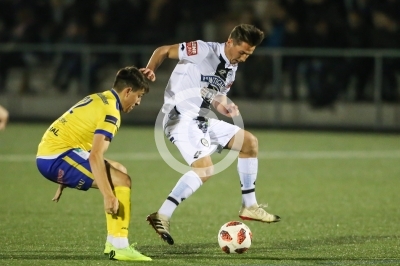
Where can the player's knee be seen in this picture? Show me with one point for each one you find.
(120, 168)
(208, 173)
(210, 170)
(120, 179)
(204, 172)
(251, 145)
(125, 180)
(128, 181)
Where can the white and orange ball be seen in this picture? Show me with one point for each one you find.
(234, 237)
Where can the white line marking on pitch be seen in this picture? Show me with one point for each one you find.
(153, 156)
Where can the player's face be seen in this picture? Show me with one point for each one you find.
(238, 53)
(132, 98)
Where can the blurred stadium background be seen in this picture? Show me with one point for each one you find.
(324, 63)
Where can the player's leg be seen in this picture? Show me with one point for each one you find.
(247, 164)
(202, 169)
(118, 225)
(113, 222)
(110, 221)
(72, 169)
(191, 181)
(247, 145)
(80, 173)
(195, 148)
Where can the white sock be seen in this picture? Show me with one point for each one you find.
(247, 169)
(120, 242)
(110, 239)
(185, 187)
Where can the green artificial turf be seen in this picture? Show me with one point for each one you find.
(337, 193)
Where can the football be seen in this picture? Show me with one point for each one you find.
(234, 237)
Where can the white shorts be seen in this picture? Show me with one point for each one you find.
(192, 143)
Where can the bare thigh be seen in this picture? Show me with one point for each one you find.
(116, 174)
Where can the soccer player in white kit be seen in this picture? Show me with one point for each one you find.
(201, 78)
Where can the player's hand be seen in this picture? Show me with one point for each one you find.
(111, 204)
(208, 94)
(59, 191)
(3, 118)
(3, 124)
(232, 110)
(148, 73)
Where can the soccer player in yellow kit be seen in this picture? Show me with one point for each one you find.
(71, 153)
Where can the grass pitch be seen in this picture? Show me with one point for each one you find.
(337, 193)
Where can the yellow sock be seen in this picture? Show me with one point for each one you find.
(121, 221)
(110, 224)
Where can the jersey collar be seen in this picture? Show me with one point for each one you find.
(222, 49)
(119, 105)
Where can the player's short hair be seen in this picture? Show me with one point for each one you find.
(130, 76)
(246, 33)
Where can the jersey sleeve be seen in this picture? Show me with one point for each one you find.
(194, 51)
(109, 122)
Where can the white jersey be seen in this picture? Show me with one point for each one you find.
(201, 65)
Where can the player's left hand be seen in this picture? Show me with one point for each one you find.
(3, 124)
(59, 191)
(3, 118)
(148, 73)
(232, 110)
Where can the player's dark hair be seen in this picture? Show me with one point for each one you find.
(246, 33)
(130, 76)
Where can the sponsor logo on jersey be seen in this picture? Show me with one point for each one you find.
(80, 184)
(229, 75)
(204, 142)
(197, 154)
(102, 97)
(191, 48)
(54, 130)
(60, 176)
(62, 120)
(229, 78)
(214, 81)
(222, 73)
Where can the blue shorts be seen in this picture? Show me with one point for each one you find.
(71, 169)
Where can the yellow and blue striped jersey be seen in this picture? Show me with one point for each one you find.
(97, 113)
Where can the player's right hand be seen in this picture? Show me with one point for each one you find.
(148, 73)
(208, 94)
(111, 205)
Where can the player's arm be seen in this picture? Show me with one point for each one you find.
(3, 117)
(158, 56)
(221, 104)
(98, 166)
